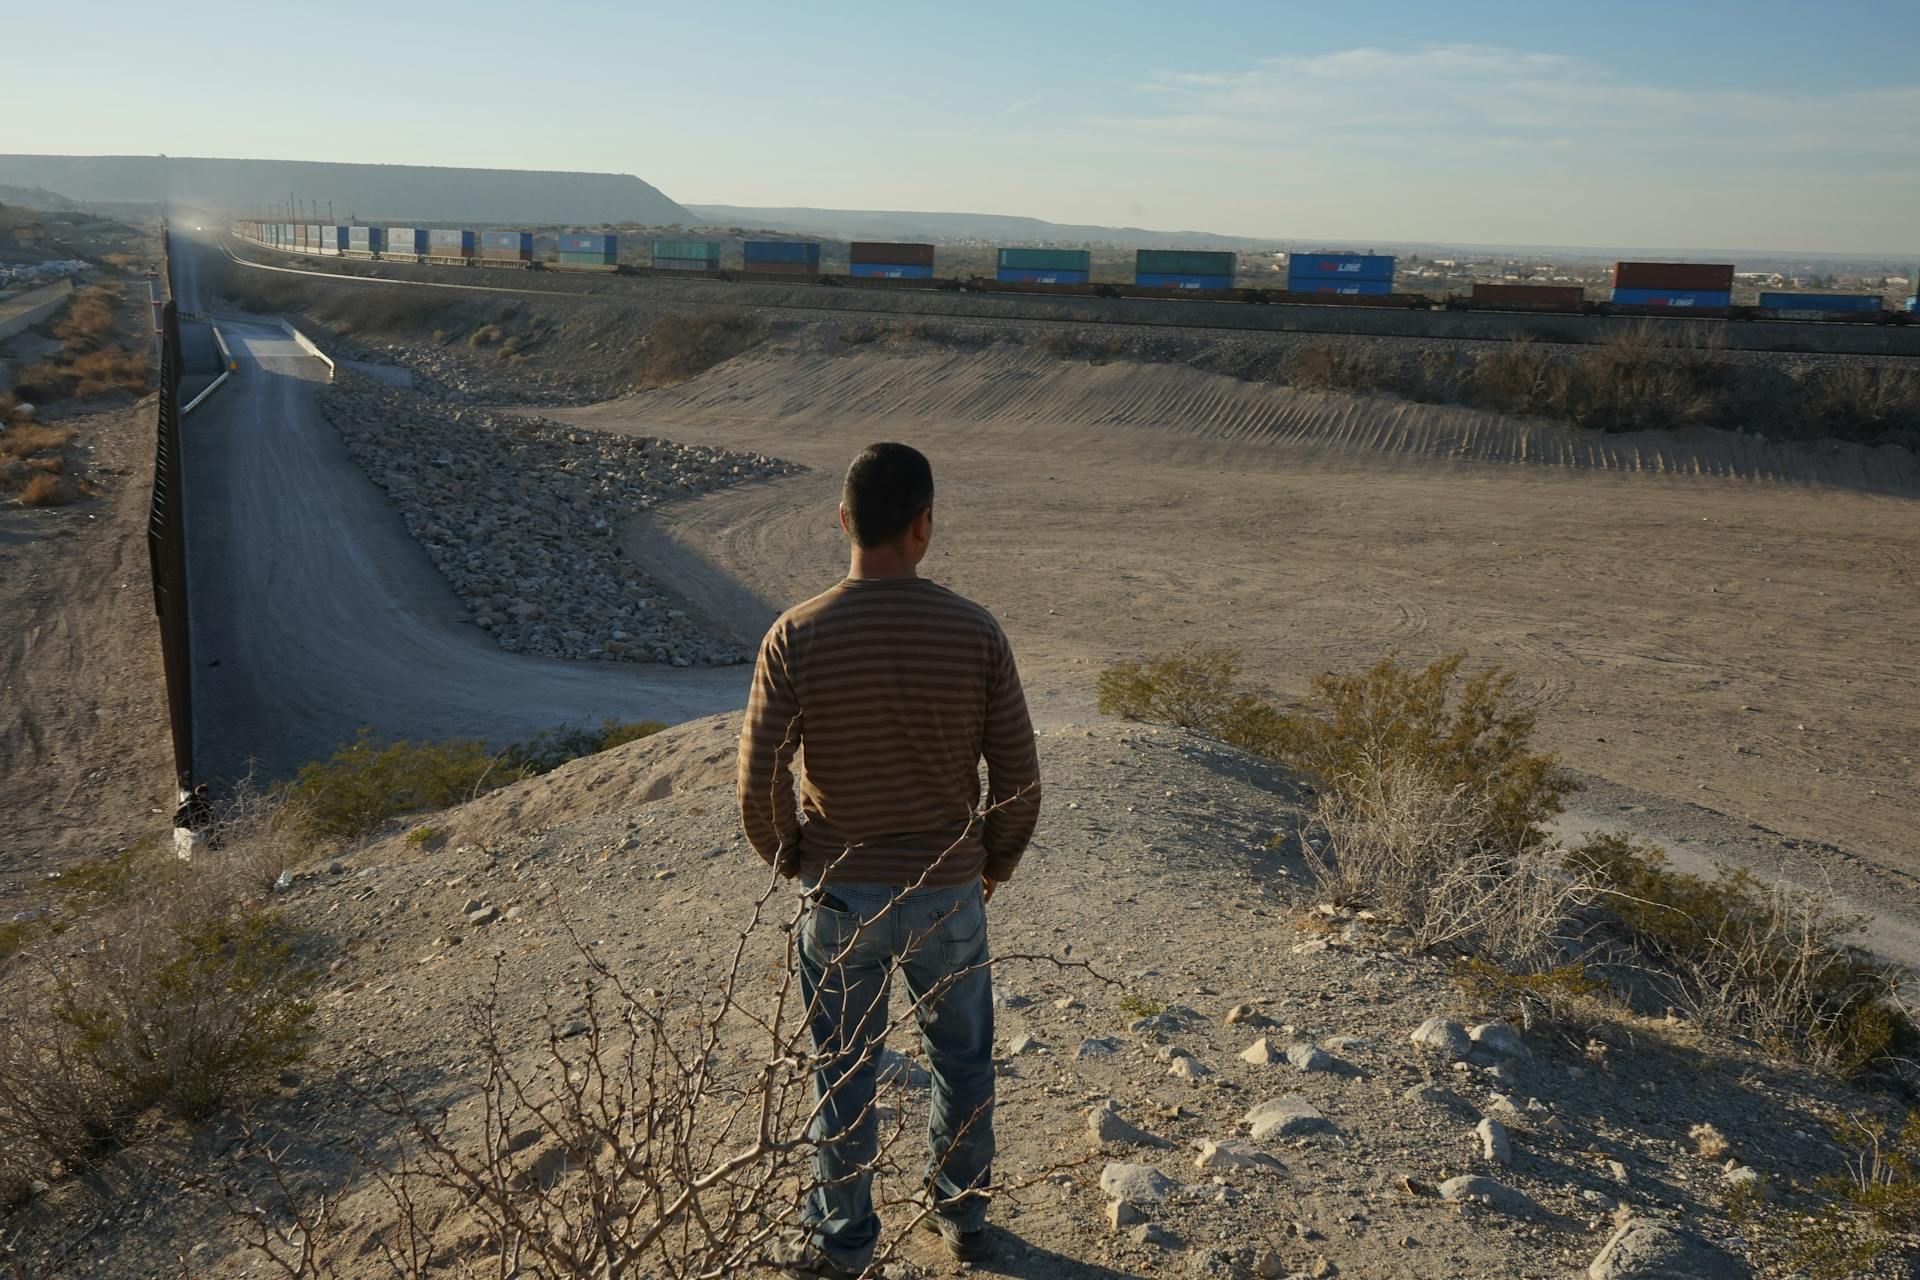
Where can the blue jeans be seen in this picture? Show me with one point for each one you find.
(853, 937)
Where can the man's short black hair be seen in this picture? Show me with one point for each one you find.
(887, 486)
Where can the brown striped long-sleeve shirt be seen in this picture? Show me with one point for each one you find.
(892, 689)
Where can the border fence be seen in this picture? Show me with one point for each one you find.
(167, 548)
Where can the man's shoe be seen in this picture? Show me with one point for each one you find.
(802, 1259)
(965, 1246)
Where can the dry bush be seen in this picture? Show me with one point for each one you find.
(43, 490)
(89, 320)
(1645, 377)
(1867, 404)
(646, 1135)
(678, 347)
(1324, 368)
(151, 984)
(31, 438)
(1436, 856)
(1769, 961)
(1868, 1221)
(1517, 378)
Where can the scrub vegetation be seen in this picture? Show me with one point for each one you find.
(1432, 800)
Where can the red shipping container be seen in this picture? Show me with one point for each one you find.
(895, 255)
(1529, 293)
(1686, 276)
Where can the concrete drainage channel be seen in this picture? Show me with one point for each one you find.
(307, 345)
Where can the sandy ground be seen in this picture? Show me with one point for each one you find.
(1717, 631)
(85, 767)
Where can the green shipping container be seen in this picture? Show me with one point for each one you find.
(1183, 262)
(704, 250)
(1046, 260)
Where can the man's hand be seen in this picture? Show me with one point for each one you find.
(987, 886)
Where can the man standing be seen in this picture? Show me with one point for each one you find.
(896, 688)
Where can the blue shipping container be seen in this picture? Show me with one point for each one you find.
(890, 271)
(1340, 266)
(781, 251)
(511, 241)
(365, 239)
(1018, 275)
(1673, 297)
(1349, 288)
(582, 243)
(1158, 280)
(1821, 301)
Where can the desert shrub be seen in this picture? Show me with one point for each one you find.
(368, 782)
(31, 438)
(1516, 378)
(45, 490)
(1437, 856)
(1460, 733)
(548, 750)
(1863, 403)
(189, 1014)
(150, 983)
(88, 320)
(1644, 377)
(857, 335)
(1134, 1005)
(1765, 960)
(679, 346)
(1563, 996)
(1869, 1222)
(485, 335)
(1324, 368)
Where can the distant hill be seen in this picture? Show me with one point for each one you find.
(368, 192)
(996, 227)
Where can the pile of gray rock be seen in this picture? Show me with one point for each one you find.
(522, 516)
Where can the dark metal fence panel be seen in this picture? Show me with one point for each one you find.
(167, 551)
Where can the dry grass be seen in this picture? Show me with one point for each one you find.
(45, 490)
(89, 320)
(678, 347)
(1867, 404)
(30, 438)
(1322, 368)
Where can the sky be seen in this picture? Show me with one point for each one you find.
(1683, 123)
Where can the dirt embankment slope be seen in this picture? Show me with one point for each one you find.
(1730, 632)
(85, 763)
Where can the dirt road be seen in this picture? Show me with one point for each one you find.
(1721, 639)
(315, 613)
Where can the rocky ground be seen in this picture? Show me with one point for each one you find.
(1242, 1083)
(520, 515)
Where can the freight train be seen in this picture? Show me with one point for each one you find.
(1356, 279)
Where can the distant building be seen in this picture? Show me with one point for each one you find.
(28, 233)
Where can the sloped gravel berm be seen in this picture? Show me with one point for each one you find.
(521, 517)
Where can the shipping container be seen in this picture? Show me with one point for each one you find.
(506, 246)
(366, 239)
(584, 242)
(1041, 275)
(1045, 260)
(787, 252)
(694, 250)
(1673, 297)
(784, 268)
(601, 260)
(1529, 293)
(890, 253)
(1713, 277)
(686, 264)
(333, 239)
(406, 242)
(1180, 280)
(1822, 301)
(1335, 285)
(1340, 266)
(450, 244)
(890, 270)
(1182, 262)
